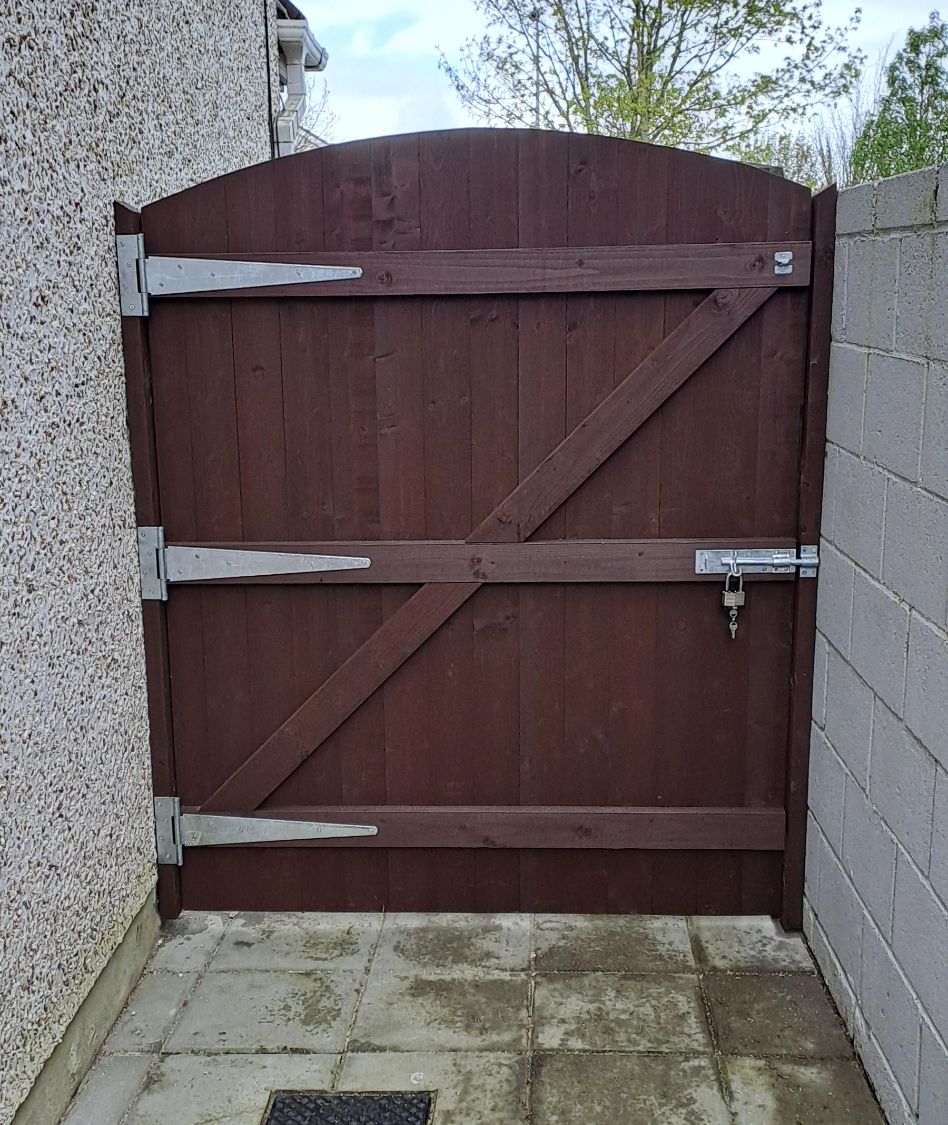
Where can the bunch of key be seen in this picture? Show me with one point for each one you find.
(733, 598)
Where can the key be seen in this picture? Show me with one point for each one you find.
(732, 599)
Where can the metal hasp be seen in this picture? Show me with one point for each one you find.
(141, 277)
(160, 564)
(783, 262)
(730, 560)
(175, 830)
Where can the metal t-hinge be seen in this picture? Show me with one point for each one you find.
(783, 262)
(753, 560)
(175, 830)
(160, 564)
(141, 277)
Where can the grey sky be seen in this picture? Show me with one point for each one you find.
(383, 70)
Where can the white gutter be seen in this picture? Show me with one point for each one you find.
(301, 54)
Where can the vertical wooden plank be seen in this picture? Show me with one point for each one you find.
(141, 428)
(351, 349)
(542, 176)
(399, 379)
(494, 689)
(449, 774)
(808, 529)
(782, 377)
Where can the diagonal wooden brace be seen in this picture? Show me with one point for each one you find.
(576, 457)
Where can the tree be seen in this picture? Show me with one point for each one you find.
(669, 71)
(910, 127)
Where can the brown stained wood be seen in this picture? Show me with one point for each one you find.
(362, 674)
(636, 398)
(573, 269)
(141, 425)
(398, 425)
(620, 414)
(804, 610)
(560, 826)
(540, 561)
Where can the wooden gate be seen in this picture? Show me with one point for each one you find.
(570, 362)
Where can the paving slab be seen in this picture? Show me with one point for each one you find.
(480, 1088)
(263, 1011)
(618, 1012)
(223, 1089)
(612, 1089)
(451, 943)
(484, 1012)
(781, 1092)
(187, 943)
(613, 943)
(297, 942)
(749, 945)
(775, 1015)
(151, 1012)
(108, 1091)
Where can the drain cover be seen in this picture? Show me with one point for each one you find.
(288, 1108)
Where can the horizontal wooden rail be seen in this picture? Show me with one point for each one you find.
(575, 269)
(560, 560)
(546, 826)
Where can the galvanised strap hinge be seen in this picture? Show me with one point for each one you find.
(141, 277)
(176, 830)
(160, 564)
(753, 560)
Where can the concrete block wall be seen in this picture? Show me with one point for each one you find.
(876, 910)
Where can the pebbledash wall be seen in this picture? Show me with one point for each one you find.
(877, 845)
(98, 102)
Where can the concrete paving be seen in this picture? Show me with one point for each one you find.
(511, 1019)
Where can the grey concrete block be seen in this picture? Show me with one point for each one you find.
(934, 471)
(884, 1083)
(907, 200)
(186, 1089)
(654, 1013)
(902, 784)
(855, 209)
(895, 398)
(871, 291)
(840, 914)
(840, 270)
(941, 212)
(826, 788)
(868, 856)
(938, 320)
(933, 1072)
(749, 945)
(915, 549)
(302, 942)
(152, 1010)
(820, 658)
(482, 1086)
(811, 878)
(188, 943)
(267, 1011)
(891, 1011)
(926, 688)
(920, 924)
(610, 943)
(830, 462)
(834, 600)
(939, 861)
(917, 298)
(849, 716)
(880, 634)
(858, 511)
(847, 396)
(109, 1090)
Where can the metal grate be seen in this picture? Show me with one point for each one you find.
(288, 1108)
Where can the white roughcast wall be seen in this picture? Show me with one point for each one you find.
(98, 101)
(877, 846)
